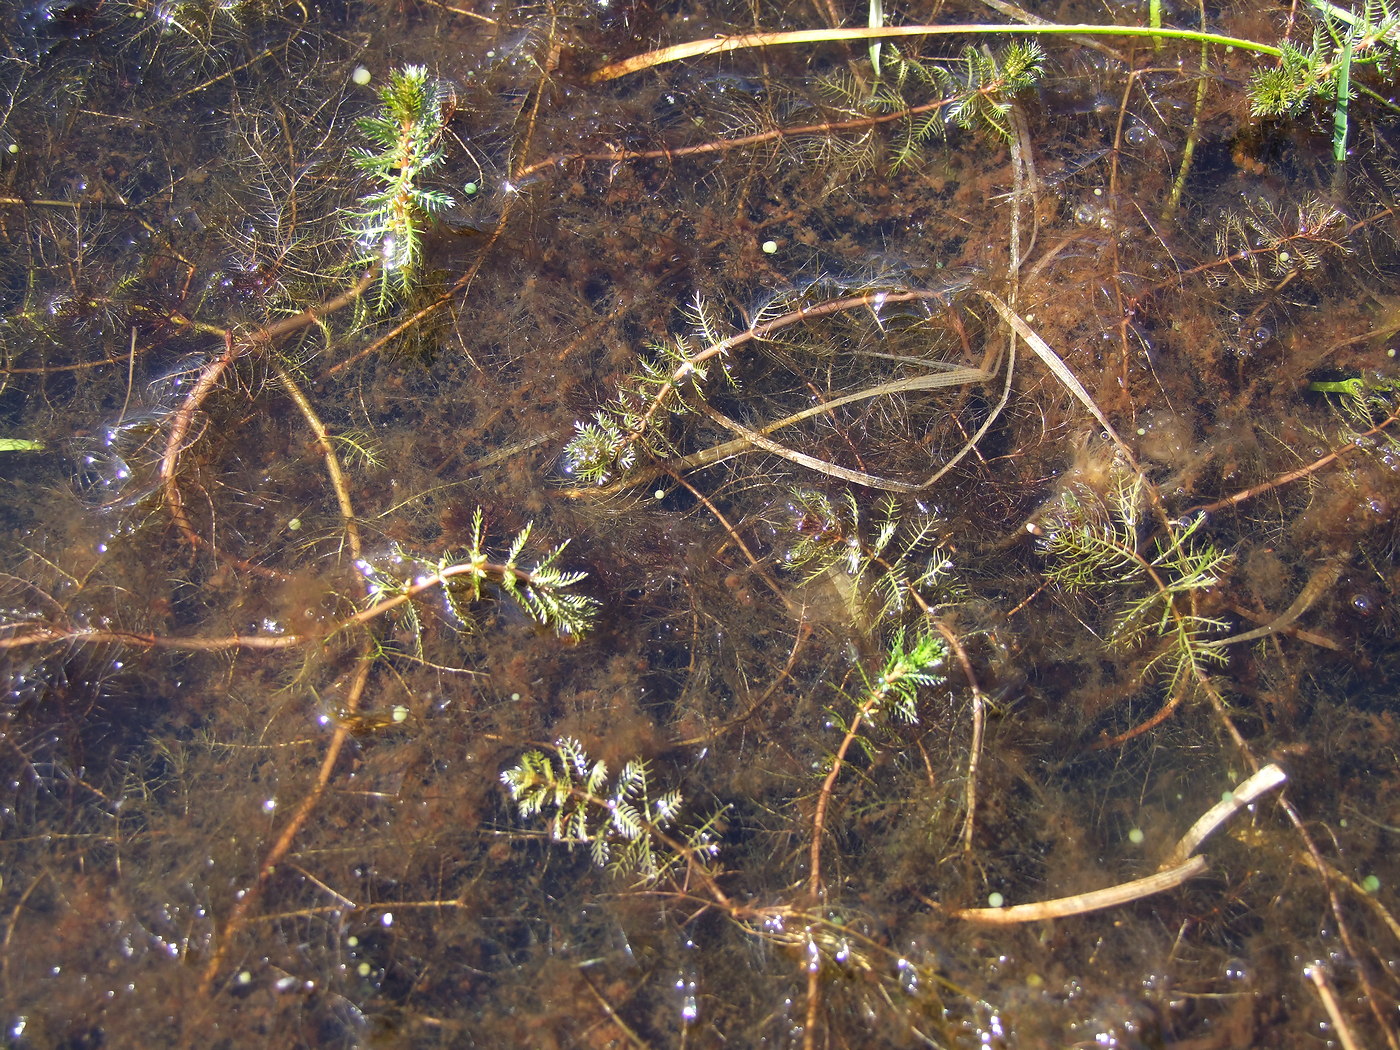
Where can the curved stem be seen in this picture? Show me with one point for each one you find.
(209, 378)
(327, 450)
(758, 138)
(746, 41)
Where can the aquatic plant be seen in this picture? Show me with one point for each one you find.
(534, 582)
(616, 817)
(669, 383)
(887, 567)
(1264, 247)
(272, 702)
(974, 93)
(910, 664)
(1094, 543)
(1343, 43)
(405, 146)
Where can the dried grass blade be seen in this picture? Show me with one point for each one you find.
(952, 375)
(758, 440)
(1057, 367)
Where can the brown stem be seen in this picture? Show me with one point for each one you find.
(327, 450)
(40, 634)
(852, 302)
(183, 419)
(1294, 475)
(175, 439)
(238, 916)
(757, 138)
(814, 878)
(979, 723)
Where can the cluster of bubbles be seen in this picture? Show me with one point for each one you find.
(117, 466)
(1248, 337)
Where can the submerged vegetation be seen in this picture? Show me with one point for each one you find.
(623, 827)
(1095, 543)
(910, 463)
(405, 135)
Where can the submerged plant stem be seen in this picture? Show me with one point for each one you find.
(1301, 472)
(327, 449)
(234, 349)
(745, 41)
(238, 916)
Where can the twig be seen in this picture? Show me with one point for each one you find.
(1082, 903)
(1178, 868)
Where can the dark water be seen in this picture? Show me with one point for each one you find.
(252, 786)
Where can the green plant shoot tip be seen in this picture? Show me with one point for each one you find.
(20, 445)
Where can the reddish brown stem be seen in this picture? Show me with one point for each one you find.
(1294, 475)
(758, 138)
(40, 634)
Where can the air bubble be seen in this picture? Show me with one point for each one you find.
(110, 463)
